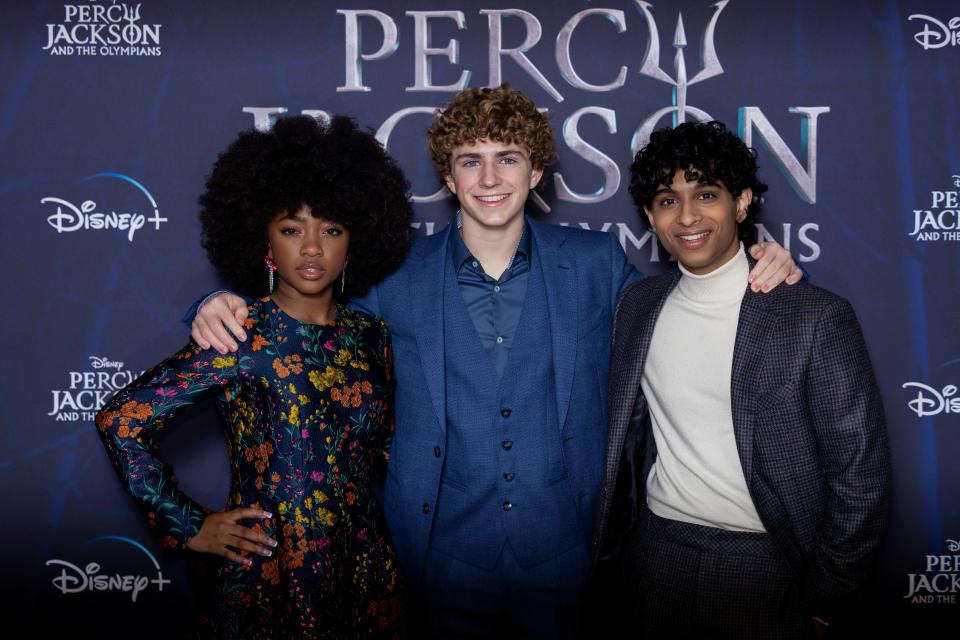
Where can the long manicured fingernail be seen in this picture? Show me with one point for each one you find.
(242, 335)
(266, 514)
(266, 552)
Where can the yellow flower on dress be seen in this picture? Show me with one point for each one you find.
(222, 362)
(326, 517)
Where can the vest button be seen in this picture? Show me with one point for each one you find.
(505, 413)
(507, 445)
(507, 505)
(436, 452)
(508, 477)
(426, 507)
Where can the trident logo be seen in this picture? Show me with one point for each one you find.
(651, 68)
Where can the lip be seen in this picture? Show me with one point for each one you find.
(693, 240)
(492, 199)
(311, 271)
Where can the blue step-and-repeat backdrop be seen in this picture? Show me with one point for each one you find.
(112, 113)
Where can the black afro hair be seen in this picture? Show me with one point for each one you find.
(342, 173)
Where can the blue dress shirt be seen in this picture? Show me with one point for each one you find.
(494, 304)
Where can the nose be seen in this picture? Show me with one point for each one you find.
(312, 245)
(489, 175)
(689, 215)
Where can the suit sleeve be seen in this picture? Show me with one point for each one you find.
(851, 436)
(622, 273)
(126, 424)
(368, 303)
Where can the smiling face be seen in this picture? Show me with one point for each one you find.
(697, 222)
(309, 253)
(491, 180)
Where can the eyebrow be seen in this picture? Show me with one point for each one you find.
(498, 154)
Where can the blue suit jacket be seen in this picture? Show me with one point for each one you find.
(583, 272)
(808, 422)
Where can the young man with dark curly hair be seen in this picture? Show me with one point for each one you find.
(746, 430)
(501, 329)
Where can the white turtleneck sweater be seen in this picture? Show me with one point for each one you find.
(697, 476)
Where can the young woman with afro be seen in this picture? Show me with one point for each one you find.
(301, 217)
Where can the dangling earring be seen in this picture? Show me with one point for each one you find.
(343, 275)
(271, 267)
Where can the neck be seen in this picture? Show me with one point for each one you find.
(493, 247)
(312, 309)
(723, 284)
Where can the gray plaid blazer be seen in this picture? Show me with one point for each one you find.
(808, 422)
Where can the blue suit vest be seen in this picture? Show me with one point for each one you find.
(503, 478)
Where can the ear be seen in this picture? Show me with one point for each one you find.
(649, 219)
(743, 201)
(269, 251)
(535, 176)
(451, 185)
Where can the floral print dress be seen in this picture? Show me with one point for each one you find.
(308, 416)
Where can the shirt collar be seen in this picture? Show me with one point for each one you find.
(461, 254)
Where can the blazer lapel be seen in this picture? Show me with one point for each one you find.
(560, 281)
(428, 279)
(753, 327)
(633, 331)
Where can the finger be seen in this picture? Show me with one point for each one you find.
(235, 328)
(197, 331)
(240, 315)
(213, 314)
(233, 556)
(773, 276)
(253, 513)
(241, 542)
(249, 533)
(218, 334)
(762, 273)
(209, 335)
(796, 275)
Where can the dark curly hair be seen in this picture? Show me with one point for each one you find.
(706, 152)
(342, 173)
(502, 114)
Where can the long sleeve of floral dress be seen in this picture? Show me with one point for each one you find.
(126, 424)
